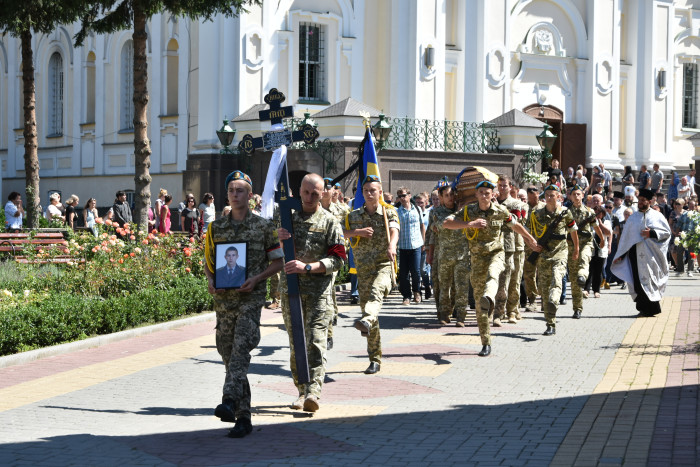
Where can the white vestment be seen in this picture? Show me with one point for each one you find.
(651, 253)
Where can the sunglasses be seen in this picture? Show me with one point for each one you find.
(403, 195)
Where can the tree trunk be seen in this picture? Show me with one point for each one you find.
(142, 148)
(31, 155)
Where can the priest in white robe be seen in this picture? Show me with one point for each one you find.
(641, 255)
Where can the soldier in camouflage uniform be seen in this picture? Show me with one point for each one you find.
(238, 310)
(509, 244)
(484, 221)
(320, 251)
(452, 253)
(431, 240)
(375, 252)
(578, 268)
(551, 264)
(530, 269)
(516, 275)
(334, 208)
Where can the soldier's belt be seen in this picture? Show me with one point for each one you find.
(584, 233)
(557, 237)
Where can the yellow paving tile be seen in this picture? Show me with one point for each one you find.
(80, 378)
(273, 412)
(434, 338)
(394, 369)
(641, 363)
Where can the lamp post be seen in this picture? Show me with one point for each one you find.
(225, 135)
(381, 131)
(546, 141)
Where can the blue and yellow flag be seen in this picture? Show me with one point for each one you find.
(368, 166)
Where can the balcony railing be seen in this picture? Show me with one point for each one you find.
(445, 135)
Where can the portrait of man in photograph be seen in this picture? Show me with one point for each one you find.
(231, 274)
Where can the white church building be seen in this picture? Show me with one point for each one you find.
(616, 79)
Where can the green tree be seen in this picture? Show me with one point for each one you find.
(21, 19)
(108, 16)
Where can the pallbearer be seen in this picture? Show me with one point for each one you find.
(483, 221)
(550, 225)
(586, 221)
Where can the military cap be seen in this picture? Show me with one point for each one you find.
(486, 184)
(553, 187)
(372, 178)
(238, 175)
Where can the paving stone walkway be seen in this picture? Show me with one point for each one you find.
(609, 389)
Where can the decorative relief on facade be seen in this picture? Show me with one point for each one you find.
(496, 66)
(544, 41)
(253, 49)
(604, 73)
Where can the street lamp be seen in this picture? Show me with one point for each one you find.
(381, 131)
(546, 141)
(225, 135)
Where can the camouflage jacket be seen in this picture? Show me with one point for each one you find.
(448, 243)
(514, 206)
(263, 246)
(317, 238)
(489, 239)
(372, 250)
(540, 219)
(584, 217)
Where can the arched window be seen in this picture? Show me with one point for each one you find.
(90, 88)
(127, 86)
(55, 95)
(171, 76)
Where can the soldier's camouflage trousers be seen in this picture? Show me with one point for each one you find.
(435, 276)
(275, 286)
(317, 316)
(550, 274)
(237, 334)
(516, 276)
(503, 283)
(373, 284)
(530, 275)
(486, 268)
(577, 268)
(454, 280)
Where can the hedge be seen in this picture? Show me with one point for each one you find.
(64, 317)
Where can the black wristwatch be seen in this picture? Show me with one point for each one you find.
(307, 268)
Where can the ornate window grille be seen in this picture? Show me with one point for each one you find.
(56, 95)
(127, 86)
(311, 62)
(690, 95)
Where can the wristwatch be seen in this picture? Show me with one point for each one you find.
(307, 268)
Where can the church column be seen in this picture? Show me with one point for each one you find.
(603, 85)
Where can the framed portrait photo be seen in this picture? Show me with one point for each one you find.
(231, 265)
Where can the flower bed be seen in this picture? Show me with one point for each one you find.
(124, 282)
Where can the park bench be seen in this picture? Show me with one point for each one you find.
(12, 245)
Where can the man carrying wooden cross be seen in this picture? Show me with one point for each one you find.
(375, 228)
(320, 251)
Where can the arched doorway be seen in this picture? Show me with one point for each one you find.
(570, 146)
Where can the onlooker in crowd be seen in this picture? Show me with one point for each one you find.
(207, 211)
(628, 177)
(691, 181)
(435, 199)
(71, 217)
(570, 177)
(581, 180)
(159, 204)
(14, 212)
(601, 248)
(53, 212)
(189, 217)
(657, 179)
(151, 219)
(226, 211)
(90, 215)
(411, 240)
(644, 177)
(674, 224)
(164, 225)
(661, 202)
(684, 189)
(388, 198)
(120, 212)
(607, 179)
(421, 201)
(673, 186)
